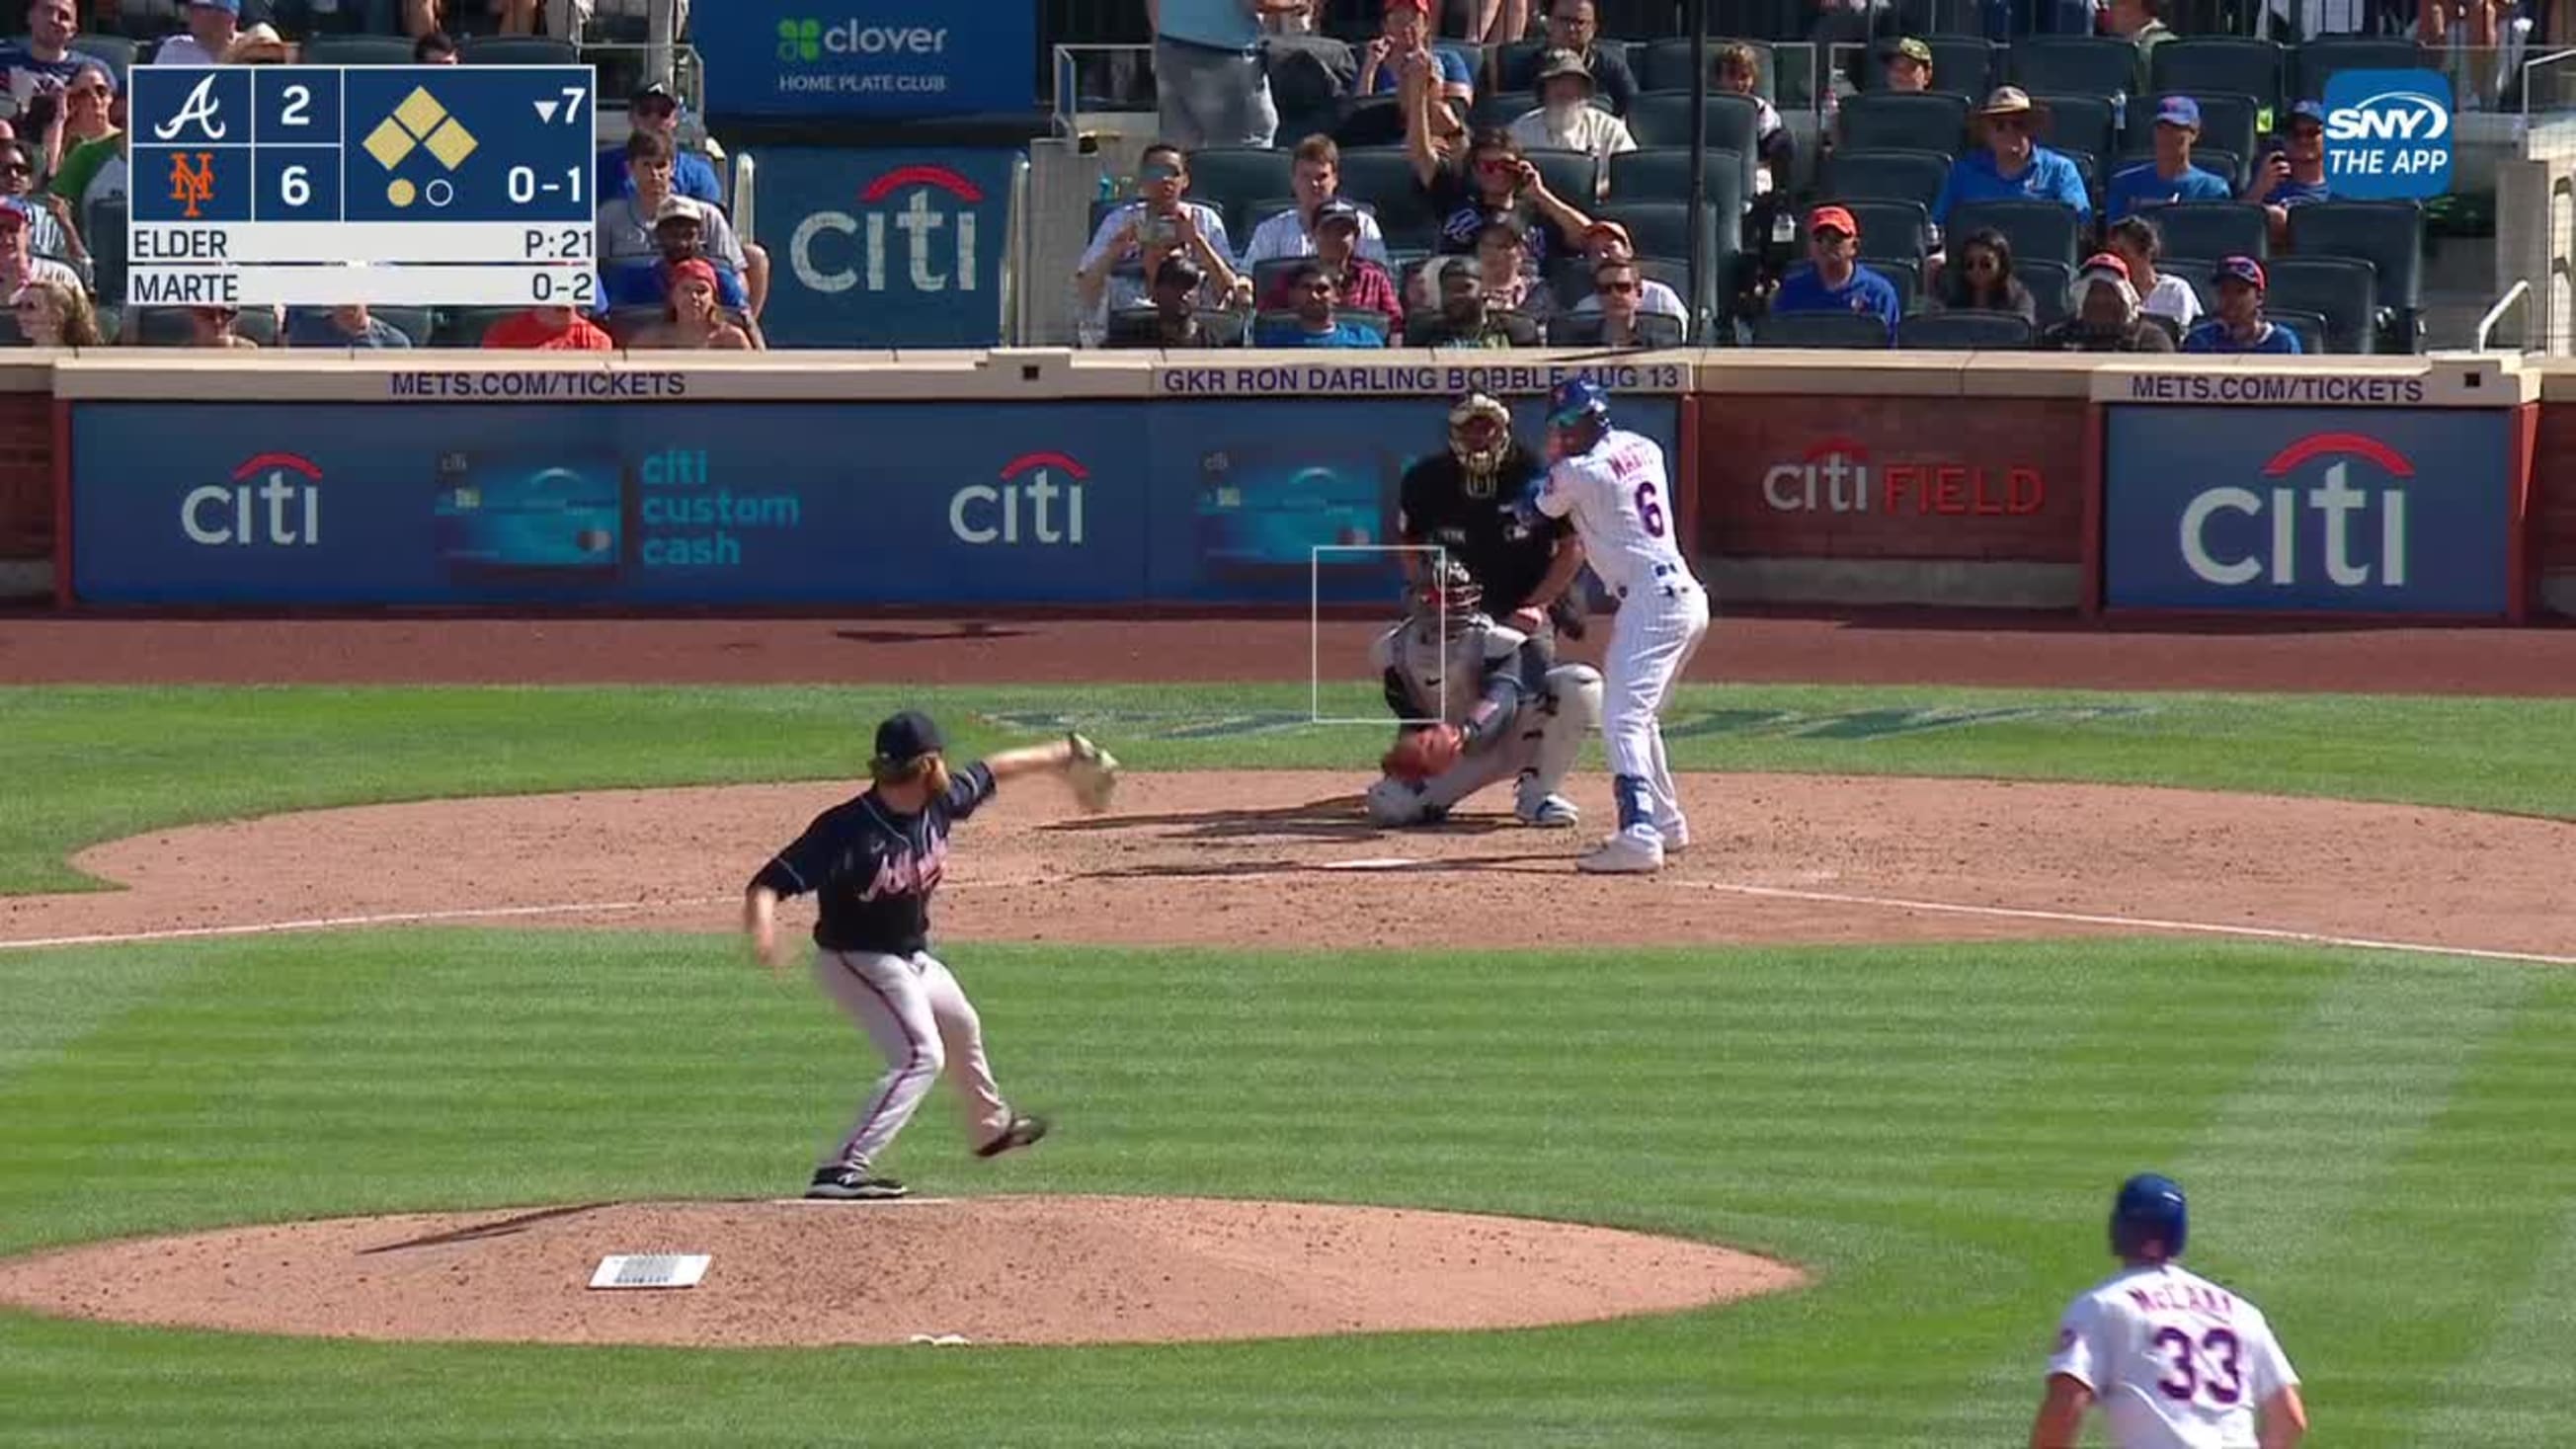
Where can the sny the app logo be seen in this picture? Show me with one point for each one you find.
(800, 40)
(2388, 135)
(196, 187)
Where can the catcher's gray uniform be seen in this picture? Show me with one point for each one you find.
(1523, 717)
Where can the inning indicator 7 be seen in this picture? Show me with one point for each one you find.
(250, 172)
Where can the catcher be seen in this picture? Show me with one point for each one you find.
(871, 863)
(1505, 711)
(1466, 500)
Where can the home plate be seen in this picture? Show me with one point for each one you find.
(1379, 862)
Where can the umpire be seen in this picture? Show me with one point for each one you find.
(1464, 499)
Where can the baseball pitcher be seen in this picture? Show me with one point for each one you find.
(1505, 711)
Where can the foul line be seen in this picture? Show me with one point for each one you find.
(2139, 923)
(406, 918)
(1839, 898)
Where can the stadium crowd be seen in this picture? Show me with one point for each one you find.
(2118, 188)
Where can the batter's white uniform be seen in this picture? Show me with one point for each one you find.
(2174, 1360)
(1621, 501)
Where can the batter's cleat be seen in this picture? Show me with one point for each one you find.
(1626, 853)
(853, 1184)
(1550, 812)
(1023, 1132)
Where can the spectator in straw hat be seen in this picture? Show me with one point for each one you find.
(2008, 163)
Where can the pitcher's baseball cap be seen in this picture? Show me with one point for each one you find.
(906, 736)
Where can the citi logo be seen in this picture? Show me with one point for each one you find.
(270, 500)
(808, 41)
(1833, 477)
(927, 265)
(1038, 500)
(1837, 476)
(2291, 527)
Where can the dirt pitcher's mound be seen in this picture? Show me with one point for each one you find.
(991, 1270)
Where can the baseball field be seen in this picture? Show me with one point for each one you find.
(343, 921)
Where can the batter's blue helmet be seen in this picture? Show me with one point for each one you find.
(1575, 399)
(2149, 1209)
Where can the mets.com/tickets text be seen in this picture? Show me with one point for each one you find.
(2227, 387)
(536, 386)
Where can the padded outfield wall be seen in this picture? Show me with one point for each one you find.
(2388, 487)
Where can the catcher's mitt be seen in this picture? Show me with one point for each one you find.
(1424, 753)
(1092, 773)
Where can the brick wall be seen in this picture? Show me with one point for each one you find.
(26, 475)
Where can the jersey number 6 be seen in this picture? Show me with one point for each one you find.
(1649, 512)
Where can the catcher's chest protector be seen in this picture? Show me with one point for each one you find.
(1447, 677)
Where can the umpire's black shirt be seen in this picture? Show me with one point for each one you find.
(871, 870)
(1504, 556)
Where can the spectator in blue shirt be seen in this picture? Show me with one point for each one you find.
(2171, 176)
(655, 109)
(1316, 291)
(2239, 325)
(2012, 166)
(1408, 32)
(2294, 174)
(1837, 282)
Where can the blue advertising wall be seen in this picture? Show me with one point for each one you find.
(884, 248)
(686, 503)
(867, 59)
(2339, 510)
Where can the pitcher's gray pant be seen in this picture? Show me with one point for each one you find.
(921, 1021)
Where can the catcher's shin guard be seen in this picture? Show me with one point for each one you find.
(1571, 712)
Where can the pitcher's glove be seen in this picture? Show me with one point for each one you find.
(1092, 773)
(1425, 753)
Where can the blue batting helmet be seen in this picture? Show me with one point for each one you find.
(2149, 1209)
(1577, 398)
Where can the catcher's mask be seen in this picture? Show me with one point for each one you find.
(1480, 433)
(1450, 596)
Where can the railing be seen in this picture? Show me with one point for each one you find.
(2520, 291)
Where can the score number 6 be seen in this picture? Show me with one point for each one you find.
(295, 185)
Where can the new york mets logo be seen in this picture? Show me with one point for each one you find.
(192, 187)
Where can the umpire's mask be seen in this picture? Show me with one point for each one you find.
(1480, 433)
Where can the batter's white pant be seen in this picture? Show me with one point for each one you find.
(1658, 628)
(921, 1022)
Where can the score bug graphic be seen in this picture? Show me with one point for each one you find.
(447, 185)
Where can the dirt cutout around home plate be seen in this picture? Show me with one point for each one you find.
(990, 1270)
(1285, 860)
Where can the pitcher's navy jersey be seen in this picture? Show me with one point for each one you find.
(871, 870)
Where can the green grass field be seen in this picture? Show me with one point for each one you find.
(2382, 1151)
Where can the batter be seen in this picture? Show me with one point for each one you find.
(1614, 486)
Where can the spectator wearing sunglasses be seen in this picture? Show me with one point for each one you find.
(91, 166)
(1980, 279)
(50, 314)
(1498, 184)
(655, 109)
(1835, 280)
(1607, 242)
(1619, 292)
(47, 234)
(1315, 292)
(2293, 174)
(2009, 164)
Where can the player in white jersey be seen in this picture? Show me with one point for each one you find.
(1612, 483)
(2175, 1361)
